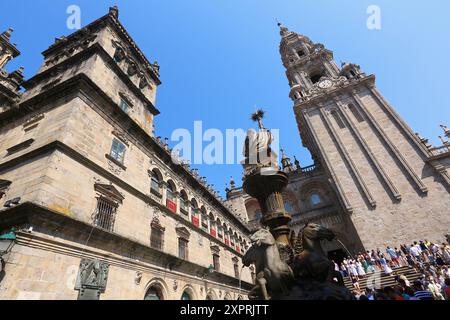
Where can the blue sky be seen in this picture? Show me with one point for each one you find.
(219, 58)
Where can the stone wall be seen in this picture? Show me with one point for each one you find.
(40, 267)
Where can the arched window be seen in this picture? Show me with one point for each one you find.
(300, 53)
(315, 199)
(288, 207)
(204, 219)
(195, 213)
(171, 201)
(186, 296)
(155, 186)
(226, 235)
(154, 293)
(184, 209)
(212, 225)
(156, 234)
(316, 77)
(219, 230)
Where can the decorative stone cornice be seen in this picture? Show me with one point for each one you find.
(109, 191)
(183, 233)
(340, 85)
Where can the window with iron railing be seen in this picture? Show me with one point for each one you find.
(105, 214)
(236, 270)
(216, 262)
(183, 249)
(156, 238)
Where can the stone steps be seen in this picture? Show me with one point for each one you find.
(385, 279)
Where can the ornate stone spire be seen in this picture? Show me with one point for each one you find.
(114, 11)
(8, 51)
(444, 142)
(297, 164)
(7, 33)
(232, 183)
(286, 162)
(283, 30)
(446, 131)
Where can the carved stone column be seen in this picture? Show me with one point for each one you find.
(266, 185)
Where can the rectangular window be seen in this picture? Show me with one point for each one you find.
(236, 270)
(123, 105)
(118, 150)
(216, 262)
(156, 238)
(105, 214)
(356, 113)
(183, 249)
(338, 119)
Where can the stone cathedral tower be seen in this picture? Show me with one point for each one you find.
(393, 186)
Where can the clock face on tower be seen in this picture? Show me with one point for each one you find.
(325, 84)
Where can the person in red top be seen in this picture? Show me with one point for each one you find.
(392, 294)
(447, 289)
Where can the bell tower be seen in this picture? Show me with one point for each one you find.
(377, 166)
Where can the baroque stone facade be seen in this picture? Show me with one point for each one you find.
(97, 206)
(374, 181)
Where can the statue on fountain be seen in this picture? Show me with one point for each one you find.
(281, 272)
(274, 277)
(311, 277)
(257, 150)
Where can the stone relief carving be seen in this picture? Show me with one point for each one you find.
(138, 278)
(92, 274)
(114, 168)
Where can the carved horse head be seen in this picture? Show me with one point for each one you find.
(261, 240)
(312, 234)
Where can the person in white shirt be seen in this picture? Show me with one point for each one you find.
(435, 289)
(415, 252)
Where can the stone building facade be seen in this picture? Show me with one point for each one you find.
(374, 180)
(95, 204)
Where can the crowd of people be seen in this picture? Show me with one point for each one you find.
(429, 259)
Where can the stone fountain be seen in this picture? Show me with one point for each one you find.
(283, 273)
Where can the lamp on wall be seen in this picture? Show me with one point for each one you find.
(7, 241)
